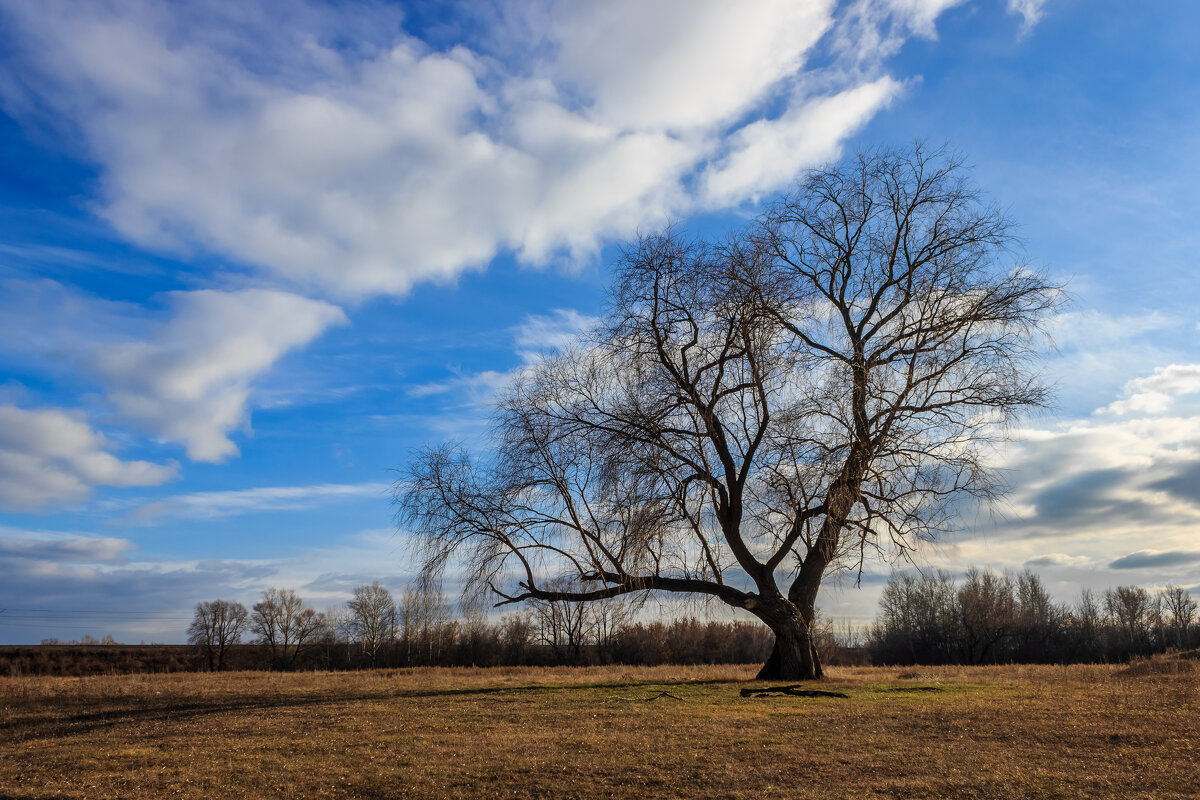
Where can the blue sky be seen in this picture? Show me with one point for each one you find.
(253, 254)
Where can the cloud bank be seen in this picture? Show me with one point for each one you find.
(337, 152)
(328, 153)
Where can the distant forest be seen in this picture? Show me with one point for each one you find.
(982, 618)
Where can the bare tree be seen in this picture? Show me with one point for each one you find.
(425, 623)
(516, 632)
(372, 619)
(563, 626)
(568, 626)
(609, 617)
(1181, 611)
(987, 613)
(216, 626)
(1129, 610)
(1038, 619)
(918, 619)
(285, 624)
(757, 413)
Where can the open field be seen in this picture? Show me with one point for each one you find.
(1003, 732)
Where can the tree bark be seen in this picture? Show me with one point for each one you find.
(794, 656)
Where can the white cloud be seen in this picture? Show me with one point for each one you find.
(185, 374)
(62, 547)
(1091, 327)
(1051, 454)
(51, 456)
(55, 326)
(190, 382)
(537, 335)
(1098, 354)
(679, 65)
(870, 31)
(920, 15)
(768, 154)
(475, 389)
(1101, 487)
(367, 168)
(210, 505)
(1030, 11)
(540, 333)
(1091, 498)
(1155, 393)
(1058, 560)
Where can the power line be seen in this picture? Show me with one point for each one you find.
(59, 626)
(26, 613)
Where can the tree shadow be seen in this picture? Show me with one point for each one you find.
(44, 725)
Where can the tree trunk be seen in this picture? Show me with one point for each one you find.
(794, 656)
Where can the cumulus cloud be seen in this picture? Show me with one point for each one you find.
(679, 65)
(51, 456)
(362, 169)
(1155, 393)
(326, 150)
(1100, 486)
(1098, 353)
(1092, 486)
(190, 381)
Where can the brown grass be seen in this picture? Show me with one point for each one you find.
(1002, 732)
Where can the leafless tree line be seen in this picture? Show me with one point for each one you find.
(419, 628)
(988, 618)
(983, 618)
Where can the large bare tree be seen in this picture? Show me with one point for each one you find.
(755, 413)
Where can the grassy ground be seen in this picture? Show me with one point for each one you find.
(1003, 732)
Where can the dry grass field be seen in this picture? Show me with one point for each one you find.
(1002, 732)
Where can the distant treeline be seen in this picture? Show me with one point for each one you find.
(983, 618)
(417, 629)
(989, 618)
(96, 659)
(449, 643)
